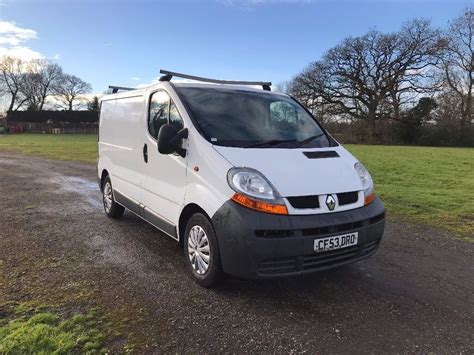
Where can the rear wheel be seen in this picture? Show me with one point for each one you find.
(111, 208)
(201, 251)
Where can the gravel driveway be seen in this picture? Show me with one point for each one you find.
(56, 246)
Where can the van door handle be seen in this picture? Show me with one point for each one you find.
(145, 153)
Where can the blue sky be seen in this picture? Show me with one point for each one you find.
(127, 42)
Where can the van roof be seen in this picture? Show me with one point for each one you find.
(256, 88)
(190, 84)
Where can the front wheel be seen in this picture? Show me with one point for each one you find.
(111, 208)
(201, 251)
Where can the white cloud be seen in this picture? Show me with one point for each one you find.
(107, 44)
(12, 39)
(13, 35)
(136, 78)
(24, 53)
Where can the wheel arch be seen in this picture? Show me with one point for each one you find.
(103, 175)
(184, 217)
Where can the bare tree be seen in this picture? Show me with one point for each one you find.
(11, 81)
(70, 88)
(31, 90)
(94, 104)
(357, 78)
(457, 63)
(40, 81)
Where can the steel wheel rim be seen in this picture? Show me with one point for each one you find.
(199, 250)
(108, 197)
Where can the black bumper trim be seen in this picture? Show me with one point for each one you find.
(316, 262)
(259, 245)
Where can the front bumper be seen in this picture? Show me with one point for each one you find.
(259, 245)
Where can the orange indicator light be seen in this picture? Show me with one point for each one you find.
(259, 205)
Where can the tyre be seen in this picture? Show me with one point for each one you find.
(111, 208)
(201, 251)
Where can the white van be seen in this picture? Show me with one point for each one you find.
(245, 179)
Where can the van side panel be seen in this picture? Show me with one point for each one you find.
(206, 186)
(120, 150)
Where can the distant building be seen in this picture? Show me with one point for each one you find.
(53, 121)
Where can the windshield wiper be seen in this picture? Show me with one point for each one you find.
(269, 143)
(307, 140)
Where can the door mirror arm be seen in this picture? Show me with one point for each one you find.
(169, 139)
(182, 134)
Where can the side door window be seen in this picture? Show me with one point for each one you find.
(175, 117)
(158, 113)
(162, 111)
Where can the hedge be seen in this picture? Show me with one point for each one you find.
(54, 116)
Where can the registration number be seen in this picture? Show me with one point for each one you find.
(336, 242)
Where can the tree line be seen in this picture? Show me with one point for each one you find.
(413, 86)
(28, 85)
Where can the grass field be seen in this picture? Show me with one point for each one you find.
(78, 147)
(429, 185)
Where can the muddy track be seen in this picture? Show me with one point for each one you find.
(415, 295)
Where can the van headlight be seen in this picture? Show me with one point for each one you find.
(367, 183)
(254, 191)
(250, 182)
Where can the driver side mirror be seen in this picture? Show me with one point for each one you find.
(169, 139)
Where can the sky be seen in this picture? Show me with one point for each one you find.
(125, 43)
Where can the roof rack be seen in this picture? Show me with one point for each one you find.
(266, 85)
(115, 89)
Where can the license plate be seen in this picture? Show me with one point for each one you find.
(336, 242)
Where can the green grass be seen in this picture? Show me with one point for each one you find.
(36, 331)
(75, 147)
(426, 184)
(429, 185)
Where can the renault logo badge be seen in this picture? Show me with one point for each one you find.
(330, 202)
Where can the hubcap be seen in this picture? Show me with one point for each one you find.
(198, 250)
(107, 197)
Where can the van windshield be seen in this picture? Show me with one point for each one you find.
(239, 118)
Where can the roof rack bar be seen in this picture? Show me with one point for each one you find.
(115, 89)
(169, 74)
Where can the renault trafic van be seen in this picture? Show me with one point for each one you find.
(245, 179)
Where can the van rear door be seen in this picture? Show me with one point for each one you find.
(164, 176)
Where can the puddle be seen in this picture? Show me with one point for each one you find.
(7, 161)
(75, 183)
(87, 189)
(111, 253)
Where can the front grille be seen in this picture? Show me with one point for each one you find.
(268, 233)
(332, 229)
(312, 201)
(317, 231)
(329, 258)
(278, 266)
(304, 201)
(347, 198)
(317, 261)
